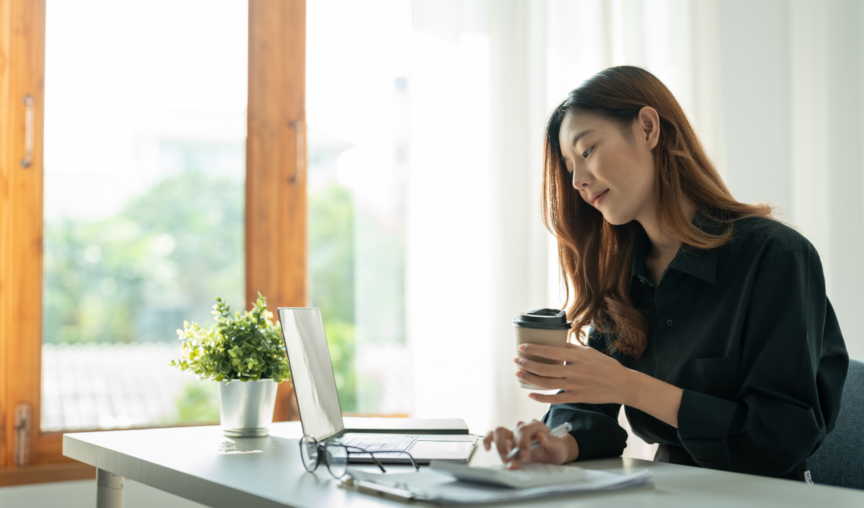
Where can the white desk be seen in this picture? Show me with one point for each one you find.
(199, 464)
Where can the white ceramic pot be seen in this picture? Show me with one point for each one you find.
(246, 408)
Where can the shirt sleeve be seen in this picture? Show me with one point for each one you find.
(793, 364)
(595, 426)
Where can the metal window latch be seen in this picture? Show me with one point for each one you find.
(28, 133)
(23, 416)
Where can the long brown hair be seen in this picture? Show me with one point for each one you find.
(595, 257)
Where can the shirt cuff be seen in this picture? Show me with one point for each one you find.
(703, 426)
(597, 435)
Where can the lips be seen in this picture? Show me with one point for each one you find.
(596, 197)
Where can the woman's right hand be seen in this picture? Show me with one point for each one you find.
(552, 450)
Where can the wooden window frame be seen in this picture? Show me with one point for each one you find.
(275, 224)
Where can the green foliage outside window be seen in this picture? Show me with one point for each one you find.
(331, 270)
(196, 403)
(133, 276)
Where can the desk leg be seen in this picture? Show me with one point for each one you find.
(109, 489)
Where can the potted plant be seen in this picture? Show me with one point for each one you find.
(245, 353)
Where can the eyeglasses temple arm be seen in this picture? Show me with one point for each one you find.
(381, 466)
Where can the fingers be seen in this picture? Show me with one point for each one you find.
(542, 369)
(546, 444)
(503, 439)
(550, 352)
(551, 449)
(549, 383)
(525, 433)
(558, 398)
(567, 353)
(506, 440)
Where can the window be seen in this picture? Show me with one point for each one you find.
(358, 168)
(271, 220)
(143, 204)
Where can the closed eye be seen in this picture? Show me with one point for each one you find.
(587, 152)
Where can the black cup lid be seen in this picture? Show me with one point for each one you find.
(544, 319)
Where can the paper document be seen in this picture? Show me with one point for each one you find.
(433, 487)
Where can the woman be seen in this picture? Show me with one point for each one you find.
(708, 318)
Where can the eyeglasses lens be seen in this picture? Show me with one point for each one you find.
(309, 452)
(337, 459)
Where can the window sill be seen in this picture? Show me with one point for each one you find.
(46, 473)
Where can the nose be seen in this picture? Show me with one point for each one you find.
(581, 180)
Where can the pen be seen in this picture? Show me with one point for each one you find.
(556, 432)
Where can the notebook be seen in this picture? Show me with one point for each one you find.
(439, 488)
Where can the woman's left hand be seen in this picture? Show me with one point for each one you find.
(588, 376)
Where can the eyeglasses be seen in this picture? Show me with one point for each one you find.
(335, 455)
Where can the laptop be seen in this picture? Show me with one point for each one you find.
(321, 413)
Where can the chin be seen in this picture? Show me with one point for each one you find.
(617, 219)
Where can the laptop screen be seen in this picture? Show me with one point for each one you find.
(311, 371)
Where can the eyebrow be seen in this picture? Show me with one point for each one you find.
(578, 136)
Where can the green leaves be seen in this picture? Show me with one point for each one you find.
(240, 346)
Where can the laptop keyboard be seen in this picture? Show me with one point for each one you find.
(380, 443)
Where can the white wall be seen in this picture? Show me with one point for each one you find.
(791, 81)
(755, 94)
(773, 88)
(82, 494)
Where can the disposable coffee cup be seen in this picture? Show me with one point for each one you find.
(545, 327)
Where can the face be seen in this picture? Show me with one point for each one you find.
(612, 172)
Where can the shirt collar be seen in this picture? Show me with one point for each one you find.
(699, 263)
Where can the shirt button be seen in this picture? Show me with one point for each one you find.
(669, 323)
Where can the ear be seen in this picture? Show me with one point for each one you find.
(648, 127)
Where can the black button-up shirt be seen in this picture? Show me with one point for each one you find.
(747, 332)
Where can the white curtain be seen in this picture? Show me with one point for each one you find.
(475, 250)
(772, 87)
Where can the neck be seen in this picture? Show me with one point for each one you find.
(663, 244)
